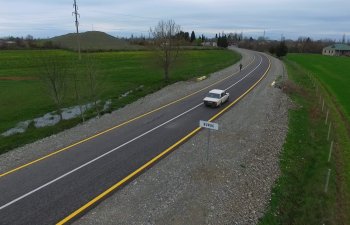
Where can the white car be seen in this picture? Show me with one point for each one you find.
(216, 97)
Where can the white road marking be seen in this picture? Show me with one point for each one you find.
(113, 150)
(95, 159)
(245, 75)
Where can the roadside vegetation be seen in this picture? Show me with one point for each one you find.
(299, 195)
(332, 73)
(23, 94)
(166, 44)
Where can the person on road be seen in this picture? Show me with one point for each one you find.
(240, 66)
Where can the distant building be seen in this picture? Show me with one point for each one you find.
(209, 43)
(337, 50)
(6, 43)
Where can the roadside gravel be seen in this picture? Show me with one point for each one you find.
(30, 152)
(232, 187)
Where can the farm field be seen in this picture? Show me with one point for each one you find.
(23, 96)
(333, 72)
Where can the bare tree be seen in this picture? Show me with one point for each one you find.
(54, 78)
(167, 44)
(92, 83)
(77, 91)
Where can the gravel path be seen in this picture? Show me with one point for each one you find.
(233, 187)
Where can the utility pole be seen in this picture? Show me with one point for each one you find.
(264, 34)
(76, 14)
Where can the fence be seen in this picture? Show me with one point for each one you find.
(325, 109)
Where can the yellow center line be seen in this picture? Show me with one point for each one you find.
(142, 168)
(117, 126)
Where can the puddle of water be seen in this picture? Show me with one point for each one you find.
(21, 127)
(51, 118)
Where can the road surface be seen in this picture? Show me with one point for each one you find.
(62, 186)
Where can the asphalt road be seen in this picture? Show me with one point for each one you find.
(49, 190)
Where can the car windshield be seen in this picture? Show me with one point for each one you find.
(213, 95)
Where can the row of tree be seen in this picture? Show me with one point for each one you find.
(27, 43)
(186, 38)
(222, 41)
(301, 45)
(57, 74)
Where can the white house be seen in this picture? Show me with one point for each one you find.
(337, 50)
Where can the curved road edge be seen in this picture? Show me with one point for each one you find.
(47, 147)
(233, 187)
(141, 169)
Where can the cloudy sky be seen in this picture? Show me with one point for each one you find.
(290, 18)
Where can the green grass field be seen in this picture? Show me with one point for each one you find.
(298, 196)
(23, 96)
(333, 72)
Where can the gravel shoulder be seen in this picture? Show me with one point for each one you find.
(33, 151)
(233, 187)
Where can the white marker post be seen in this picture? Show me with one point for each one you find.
(209, 126)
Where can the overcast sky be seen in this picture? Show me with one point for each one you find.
(290, 18)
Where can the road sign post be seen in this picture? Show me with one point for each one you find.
(210, 126)
(208, 145)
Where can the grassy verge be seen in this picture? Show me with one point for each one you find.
(299, 195)
(22, 96)
(332, 73)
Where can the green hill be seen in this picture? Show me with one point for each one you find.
(93, 40)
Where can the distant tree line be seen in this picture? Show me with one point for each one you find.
(222, 41)
(186, 39)
(301, 45)
(29, 42)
